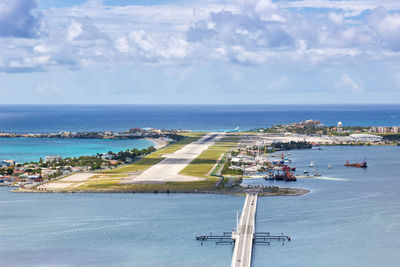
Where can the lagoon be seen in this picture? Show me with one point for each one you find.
(32, 149)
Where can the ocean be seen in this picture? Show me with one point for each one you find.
(85, 118)
(350, 218)
(353, 220)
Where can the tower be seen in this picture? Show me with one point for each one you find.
(339, 127)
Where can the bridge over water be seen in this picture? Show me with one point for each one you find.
(245, 236)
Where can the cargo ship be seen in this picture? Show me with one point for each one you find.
(363, 164)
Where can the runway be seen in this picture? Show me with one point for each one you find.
(168, 169)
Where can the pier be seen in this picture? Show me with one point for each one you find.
(244, 236)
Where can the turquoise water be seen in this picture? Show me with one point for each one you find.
(350, 222)
(32, 149)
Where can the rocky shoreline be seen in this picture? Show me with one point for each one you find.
(234, 192)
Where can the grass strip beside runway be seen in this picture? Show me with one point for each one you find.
(202, 165)
(157, 156)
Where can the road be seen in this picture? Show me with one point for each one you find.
(244, 236)
(168, 169)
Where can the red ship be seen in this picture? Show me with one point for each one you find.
(363, 164)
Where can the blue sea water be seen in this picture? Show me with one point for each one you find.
(82, 118)
(85, 118)
(32, 149)
(350, 222)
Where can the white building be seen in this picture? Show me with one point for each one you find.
(366, 138)
(339, 127)
(7, 163)
(52, 158)
(107, 156)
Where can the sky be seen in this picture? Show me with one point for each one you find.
(199, 52)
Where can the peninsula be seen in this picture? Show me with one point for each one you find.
(191, 165)
(196, 162)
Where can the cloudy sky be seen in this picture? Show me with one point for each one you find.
(199, 51)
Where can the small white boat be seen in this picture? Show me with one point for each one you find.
(329, 166)
(312, 164)
(306, 171)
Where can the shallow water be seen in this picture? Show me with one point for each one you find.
(355, 222)
(32, 149)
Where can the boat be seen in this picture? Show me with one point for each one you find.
(312, 164)
(363, 164)
(288, 168)
(269, 176)
(306, 171)
(6, 183)
(329, 166)
(289, 177)
(316, 173)
(280, 175)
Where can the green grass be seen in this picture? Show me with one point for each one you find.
(199, 167)
(193, 134)
(202, 165)
(155, 157)
(169, 186)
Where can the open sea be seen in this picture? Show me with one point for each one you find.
(350, 218)
(85, 118)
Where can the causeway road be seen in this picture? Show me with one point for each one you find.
(244, 234)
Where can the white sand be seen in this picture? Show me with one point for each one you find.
(159, 143)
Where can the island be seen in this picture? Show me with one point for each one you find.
(190, 165)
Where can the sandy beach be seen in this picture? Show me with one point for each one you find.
(159, 143)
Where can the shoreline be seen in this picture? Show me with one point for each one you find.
(158, 142)
(278, 192)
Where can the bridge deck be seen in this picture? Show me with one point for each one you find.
(244, 234)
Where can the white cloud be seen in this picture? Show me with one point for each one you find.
(356, 6)
(41, 49)
(122, 44)
(387, 27)
(74, 30)
(346, 83)
(18, 18)
(250, 32)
